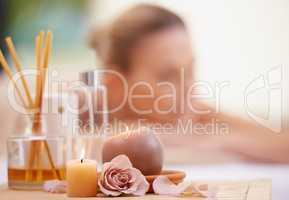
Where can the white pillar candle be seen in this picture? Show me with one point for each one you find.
(81, 176)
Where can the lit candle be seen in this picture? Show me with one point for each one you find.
(81, 176)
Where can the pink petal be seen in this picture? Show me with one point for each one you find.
(121, 162)
(108, 181)
(162, 185)
(55, 186)
(104, 184)
(108, 192)
(135, 174)
(122, 179)
(105, 167)
(209, 192)
(143, 187)
(140, 186)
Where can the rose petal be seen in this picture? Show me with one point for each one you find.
(55, 186)
(135, 174)
(107, 191)
(143, 187)
(206, 190)
(121, 161)
(123, 179)
(105, 167)
(108, 179)
(162, 185)
(140, 186)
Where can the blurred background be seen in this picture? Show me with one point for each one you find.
(69, 20)
(235, 41)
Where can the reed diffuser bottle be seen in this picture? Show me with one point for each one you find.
(92, 117)
(32, 157)
(35, 157)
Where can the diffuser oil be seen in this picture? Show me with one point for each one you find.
(35, 159)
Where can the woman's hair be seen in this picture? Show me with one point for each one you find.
(114, 42)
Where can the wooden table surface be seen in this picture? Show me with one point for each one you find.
(242, 190)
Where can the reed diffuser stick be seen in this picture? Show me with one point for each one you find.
(38, 53)
(39, 82)
(47, 51)
(9, 73)
(12, 51)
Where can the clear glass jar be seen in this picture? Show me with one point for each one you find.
(35, 159)
(92, 125)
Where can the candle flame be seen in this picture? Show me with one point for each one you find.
(82, 154)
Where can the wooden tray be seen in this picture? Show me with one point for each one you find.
(237, 190)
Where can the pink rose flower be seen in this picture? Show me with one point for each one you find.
(120, 177)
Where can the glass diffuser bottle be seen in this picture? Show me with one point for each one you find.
(35, 157)
(92, 117)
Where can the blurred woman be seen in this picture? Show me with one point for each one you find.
(151, 48)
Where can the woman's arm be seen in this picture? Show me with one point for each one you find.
(255, 142)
